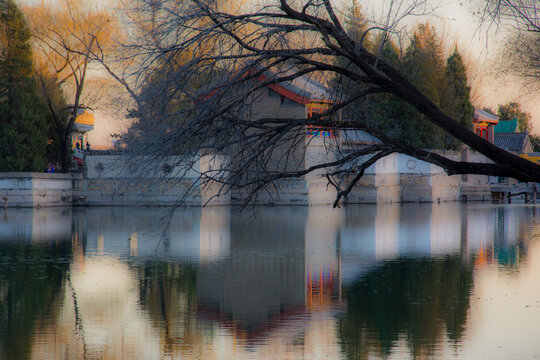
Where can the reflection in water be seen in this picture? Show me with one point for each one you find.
(33, 267)
(415, 298)
(301, 282)
(263, 277)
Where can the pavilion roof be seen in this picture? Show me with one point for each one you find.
(515, 142)
(483, 116)
(506, 126)
(303, 88)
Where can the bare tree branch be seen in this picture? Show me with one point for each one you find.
(200, 74)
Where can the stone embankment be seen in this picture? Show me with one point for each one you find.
(108, 180)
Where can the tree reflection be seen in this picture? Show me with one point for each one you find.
(32, 277)
(414, 299)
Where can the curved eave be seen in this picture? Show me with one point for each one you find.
(82, 127)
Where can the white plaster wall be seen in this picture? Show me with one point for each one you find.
(119, 166)
(445, 188)
(409, 165)
(480, 179)
(395, 178)
(320, 192)
(213, 192)
(36, 189)
(16, 183)
(398, 164)
(116, 180)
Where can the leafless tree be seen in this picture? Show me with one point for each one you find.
(202, 66)
(522, 51)
(67, 37)
(522, 14)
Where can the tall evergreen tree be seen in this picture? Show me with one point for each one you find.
(53, 96)
(23, 126)
(390, 114)
(458, 104)
(424, 63)
(424, 66)
(381, 111)
(425, 69)
(356, 25)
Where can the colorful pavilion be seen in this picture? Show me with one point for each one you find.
(484, 124)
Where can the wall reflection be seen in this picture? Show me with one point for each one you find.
(35, 225)
(357, 282)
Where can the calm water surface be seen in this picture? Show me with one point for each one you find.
(364, 282)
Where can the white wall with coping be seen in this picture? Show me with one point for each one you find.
(395, 178)
(29, 189)
(109, 181)
(284, 192)
(212, 192)
(402, 178)
(116, 180)
(119, 167)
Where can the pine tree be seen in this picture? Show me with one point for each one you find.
(424, 63)
(53, 96)
(459, 99)
(390, 114)
(23, 126)
(424, 68)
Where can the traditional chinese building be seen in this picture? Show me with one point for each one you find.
(83, 124)
(509, 138)
(518, 143)
(484, 124)
(299, 97)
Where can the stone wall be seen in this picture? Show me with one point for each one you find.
(111, 181)
(115, 180)
(141, 192)
(284, 192)
(37, 189)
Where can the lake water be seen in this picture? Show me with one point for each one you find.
(363, 282)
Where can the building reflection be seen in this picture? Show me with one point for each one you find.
(389, 307)
(499, 235)
(262, 282)
(357, 282)
(322, 257)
